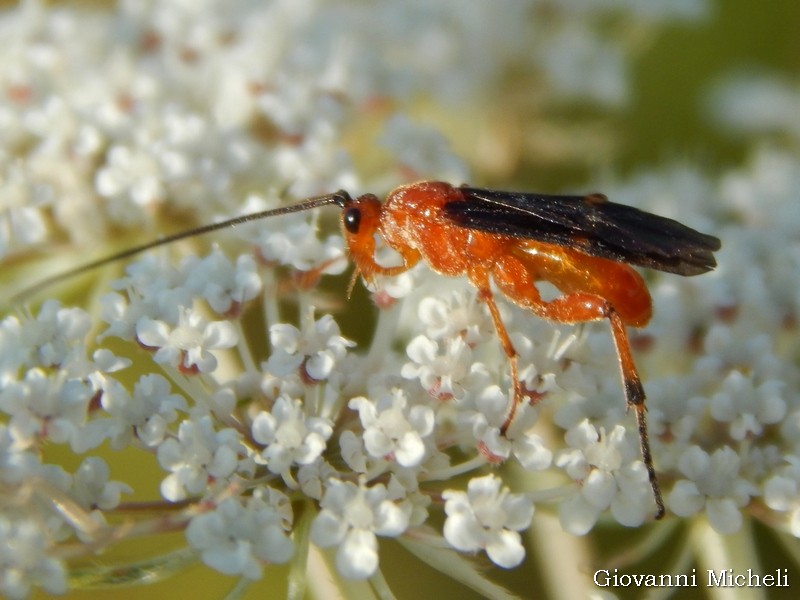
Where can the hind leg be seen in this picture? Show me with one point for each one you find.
(514, 278)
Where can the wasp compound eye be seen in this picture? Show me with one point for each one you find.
(352, 220)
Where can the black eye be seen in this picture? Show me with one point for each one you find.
(352, 220)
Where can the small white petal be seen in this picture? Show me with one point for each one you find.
(576, 515)
(410, 450)
(685, 499)
(357, 557)
(505, 549)
(780, 493)
(390, 519)
(723, 515)
(327, 529)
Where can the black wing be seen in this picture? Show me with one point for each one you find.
(590, 224)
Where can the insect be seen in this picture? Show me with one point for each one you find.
(583, 245)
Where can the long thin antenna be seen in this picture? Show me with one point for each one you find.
(340, 198)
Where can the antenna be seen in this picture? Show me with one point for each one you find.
(339, 198)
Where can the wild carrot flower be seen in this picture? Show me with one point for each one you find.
(234, 371)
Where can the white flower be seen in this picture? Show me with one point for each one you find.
(146, 413)
(16, 464)
(352, 451)
(296, 242)
(311, 478)
(24, 559)
(609, 475)
(394, 430)
(199, 456)
(421, 148)
(782, 492)
(290, 436)
(52, 408)
(540, 370)
(222, 284)
(756, 103)
(150, 277)
(241, 534)
(351, 516)
(713, 483)
(154, 290)
(519, 439)
(296, 107)
(441, 374)
(187, 345)
(92, 488)
(22, 198)
(676, 410)
(317, 348)
(746, 407)
(771, 175)
(488, 517)
(582, 64)
(131, 180)
(196, 155)
(55, 334)
(13, 353)
(458, 314)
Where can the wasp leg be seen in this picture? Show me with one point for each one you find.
(515, 280)
(367, 267)
(364, 258)
(485, 295)
(634, 396)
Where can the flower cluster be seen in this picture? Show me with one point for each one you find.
(275, 434)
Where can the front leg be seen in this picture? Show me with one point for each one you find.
(362, 252)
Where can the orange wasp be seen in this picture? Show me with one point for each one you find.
(583, 245)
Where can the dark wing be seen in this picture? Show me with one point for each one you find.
(590, 224)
